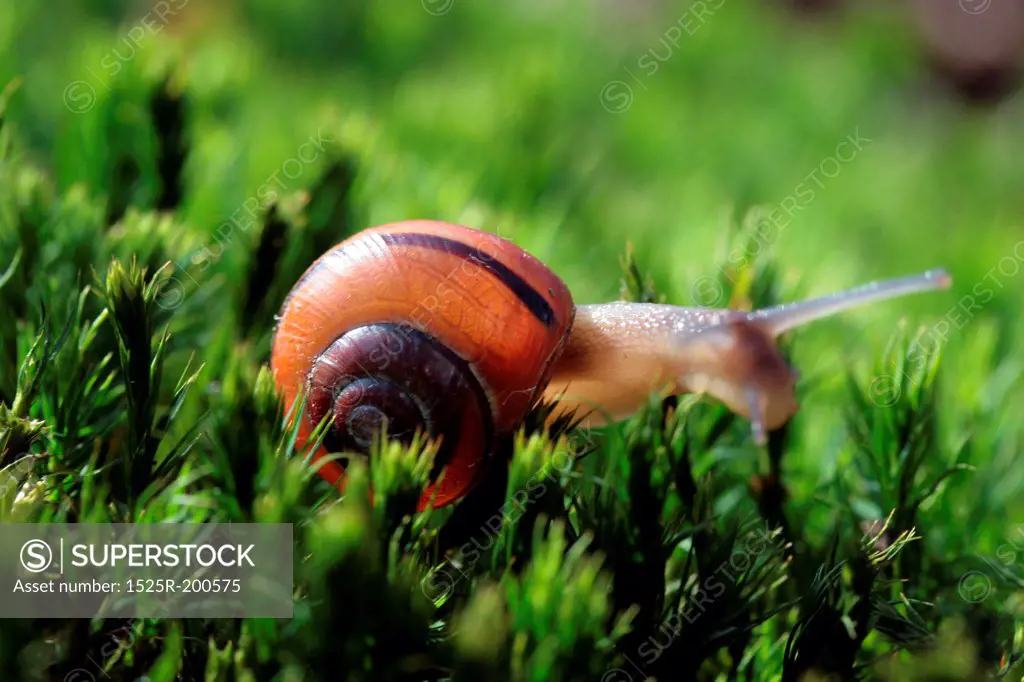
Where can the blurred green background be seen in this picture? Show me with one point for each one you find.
(574, 128)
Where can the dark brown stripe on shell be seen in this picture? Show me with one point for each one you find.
(529, 296)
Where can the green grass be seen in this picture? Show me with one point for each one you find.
(135, 330)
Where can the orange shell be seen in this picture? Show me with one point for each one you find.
(496, 306)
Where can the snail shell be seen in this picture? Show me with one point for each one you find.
(421, 325)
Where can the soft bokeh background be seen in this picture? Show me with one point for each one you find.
(574, 128)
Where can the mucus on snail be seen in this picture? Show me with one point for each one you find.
(456, 332)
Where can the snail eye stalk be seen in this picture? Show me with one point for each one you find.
(782, 318)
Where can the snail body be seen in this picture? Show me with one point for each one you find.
(458, 332)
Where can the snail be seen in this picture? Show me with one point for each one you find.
(457, 332)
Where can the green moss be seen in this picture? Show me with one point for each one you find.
(152, 223)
